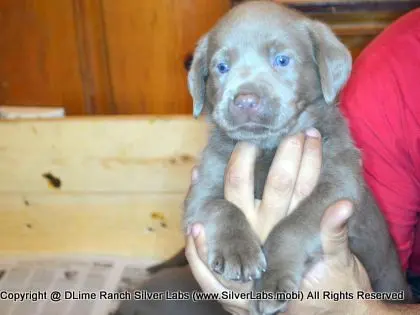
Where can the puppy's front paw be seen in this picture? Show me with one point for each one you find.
(278, 286)
(240, 258)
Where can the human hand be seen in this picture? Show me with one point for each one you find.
(338, 271)
(292, 177)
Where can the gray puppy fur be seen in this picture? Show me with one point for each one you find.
(262, 73)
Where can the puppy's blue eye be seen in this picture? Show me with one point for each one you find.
(222, 67)
(281, 61)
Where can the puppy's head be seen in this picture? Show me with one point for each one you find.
(265, 71)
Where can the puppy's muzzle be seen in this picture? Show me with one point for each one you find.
(245, 108)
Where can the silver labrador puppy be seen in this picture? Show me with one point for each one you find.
(262, 73)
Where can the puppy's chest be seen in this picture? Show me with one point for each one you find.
(262, 166)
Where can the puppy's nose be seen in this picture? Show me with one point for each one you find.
(247, 101)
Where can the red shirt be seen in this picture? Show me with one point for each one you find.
(382, 104)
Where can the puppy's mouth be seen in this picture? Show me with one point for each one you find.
(251, 131)
(254, 132)
(251, 127)
(246, 129)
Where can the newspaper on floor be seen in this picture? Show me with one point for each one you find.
(67, 285)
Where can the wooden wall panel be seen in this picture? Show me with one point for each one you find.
(147, 44)
(93, 56)
(112, 188)
(100, 155)
(127, 56)
(39, 57)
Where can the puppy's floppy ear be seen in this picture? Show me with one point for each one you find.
(197, 76)
(333, 58)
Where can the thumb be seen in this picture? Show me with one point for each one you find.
(334, 231)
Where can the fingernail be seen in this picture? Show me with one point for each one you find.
(344, 213)
(194, 175)
(195, 231)
(313, 133)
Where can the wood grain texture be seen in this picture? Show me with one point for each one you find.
(39, 59)
(128, 56)
(93, 57)
(148, 42)
(143, 225)
(146, 154)
(122, 183)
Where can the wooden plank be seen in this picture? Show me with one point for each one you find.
(115, 174)
(93, 55)
(39, 59)
(124, 154)
(117, 224)
(147, 43)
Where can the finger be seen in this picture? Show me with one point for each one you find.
(310, 167)
(239, 176)
(197, 232)
(334, 231)
(201, 272)
(282, 177)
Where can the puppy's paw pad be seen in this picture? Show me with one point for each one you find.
(279, 289)
(253, 268)
(238, 260)
(271, 307)
(218, 264)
